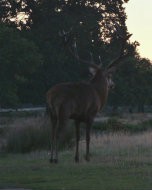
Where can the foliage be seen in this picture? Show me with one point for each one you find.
(133, 84)
(16, 56)
(114, 125)
(47, 18)
(33, 134)
(94, 25)
(111, 124)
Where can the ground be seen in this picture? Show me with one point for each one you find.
(119, 161)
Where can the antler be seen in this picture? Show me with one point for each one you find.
(121, 55)
(73, 50)
(75, 54)
(100, 60)
(66, 35)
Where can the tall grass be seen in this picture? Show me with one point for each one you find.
(29, 134)
(34, 133)
(113, 147)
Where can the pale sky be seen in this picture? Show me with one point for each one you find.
(139, 23)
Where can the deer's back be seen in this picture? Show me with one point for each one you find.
(77, 100)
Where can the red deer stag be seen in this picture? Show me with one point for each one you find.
(79, 101)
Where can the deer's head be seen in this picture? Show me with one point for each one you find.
(102, 75)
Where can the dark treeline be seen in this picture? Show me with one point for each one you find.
(33, 56)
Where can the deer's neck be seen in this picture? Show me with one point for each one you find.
(101, 86)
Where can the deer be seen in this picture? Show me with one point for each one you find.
(80, 101)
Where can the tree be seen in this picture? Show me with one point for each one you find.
(144, 83)
(19, 58)
(94, 24)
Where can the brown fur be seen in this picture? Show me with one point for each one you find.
(78, 101)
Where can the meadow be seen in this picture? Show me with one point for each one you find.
(120, 159)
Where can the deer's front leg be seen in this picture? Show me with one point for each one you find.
(77, 128)
(88, 128)
(53, 129)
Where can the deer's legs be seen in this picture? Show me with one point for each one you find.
(55, 159)
(59, 135)
(77, 128)
(53, 137)
(52, 144)
(88, 128)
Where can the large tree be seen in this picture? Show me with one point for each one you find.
(19, 58)
(94, 24)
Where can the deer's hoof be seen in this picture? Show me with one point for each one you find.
(53, 161)
(76, 159)
(87, 158)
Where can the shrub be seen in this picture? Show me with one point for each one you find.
(140, 127)
(114, 124)
(111, 124)
(33, 134)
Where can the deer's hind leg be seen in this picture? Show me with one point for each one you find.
(77, 128)
(53, 136)
(88, 129)
(60, 131)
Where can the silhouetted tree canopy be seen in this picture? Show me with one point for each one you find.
(95, 26)
(19, 58)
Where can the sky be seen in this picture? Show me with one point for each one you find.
(139, 23)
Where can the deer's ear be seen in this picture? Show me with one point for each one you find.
(92, 70)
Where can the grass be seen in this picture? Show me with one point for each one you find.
(118, 162)
(25, 134)
(29, 134)
(34, 172)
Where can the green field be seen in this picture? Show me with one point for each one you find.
(118, 162)
(121, 156)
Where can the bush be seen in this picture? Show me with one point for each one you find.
(144, 126)
(114, 124)
(111, 124)
(33, 134)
